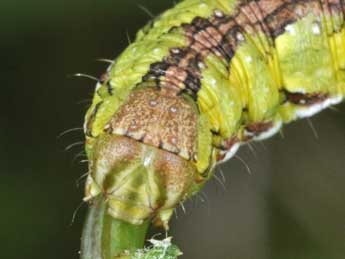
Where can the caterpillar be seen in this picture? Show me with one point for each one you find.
(199, 81)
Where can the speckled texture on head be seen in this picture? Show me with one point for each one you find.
(159, 119)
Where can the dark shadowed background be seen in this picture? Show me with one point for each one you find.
(291, 206)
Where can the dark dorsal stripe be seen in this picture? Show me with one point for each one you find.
(221, 34)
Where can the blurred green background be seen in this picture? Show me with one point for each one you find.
(291, 206)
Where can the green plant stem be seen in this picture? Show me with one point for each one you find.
(105, 237)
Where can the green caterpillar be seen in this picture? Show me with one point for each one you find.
(200, 80)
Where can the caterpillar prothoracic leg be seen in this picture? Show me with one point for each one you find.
(200, 80)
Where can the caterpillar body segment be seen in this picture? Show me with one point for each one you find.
(200, 80)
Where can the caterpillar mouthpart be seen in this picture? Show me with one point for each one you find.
(145, 161)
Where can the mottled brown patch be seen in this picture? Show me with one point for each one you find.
(229, 143)
(174, 76)
(176, 173)
(226, 147)
(112, 150)
(268, 6)
(205, 38)
(259, 127)
(158, 119)
(305, 99)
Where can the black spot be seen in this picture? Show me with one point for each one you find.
(109, 88)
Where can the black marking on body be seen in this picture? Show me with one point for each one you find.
(109, 88)
(221, 34)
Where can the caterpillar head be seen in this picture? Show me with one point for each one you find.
(144, 162)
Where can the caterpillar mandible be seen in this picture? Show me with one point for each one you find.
(199, 81)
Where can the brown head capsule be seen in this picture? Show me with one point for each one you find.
(142, 163)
